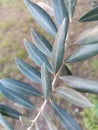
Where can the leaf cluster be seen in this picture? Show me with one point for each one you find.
(54, 75)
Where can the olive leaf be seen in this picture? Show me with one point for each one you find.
(73, 97)
(92, 15)
(46, 82)
(49, 121)
(20, 87)
(5, 123)
(65, 119)
(60, 11)
(10, 112)
(41, 43)
(90, 36)
(70, 5)
(83, 53)
(41, 17)
(29, 71)
(81, 84)
(17, 98)
(59, 46)
(36, 55)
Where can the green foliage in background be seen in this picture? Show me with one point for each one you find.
(53, 75)
(91, 121)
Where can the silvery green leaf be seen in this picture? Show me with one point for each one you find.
(36, 55)
(20, 87)
(60, 11)
(28, 70)
(46, 82)
(41, 17)
(8, 111)
(59, 46)
(5, 123)
(81, 84)
(49, 121)
(92, 15)
(65, 70)
(17, 98)
(65, 119)
(85, 52)
(90, 36)
(47, 8)
(70, 5)
(41, 43)
(73, 97)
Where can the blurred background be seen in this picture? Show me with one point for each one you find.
(15, 23)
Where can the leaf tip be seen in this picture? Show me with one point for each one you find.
(26, 2)
(16, 59)
(31, 29)
(26, 43)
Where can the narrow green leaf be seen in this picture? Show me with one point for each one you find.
(20, 87)
(65, 119)
(60, 11)
(5, 123)
(16, 98)
(92, 15)
(49, 121)
(73, 97)
(81, 84)
(59, 46)
(8, 111)
(65, 70)
(41, 43)
(85, 52)
(36, 55)
(90, 36)
(70, 5)
(41, 17)
(28, 70)
(46, 82)
(47, 8)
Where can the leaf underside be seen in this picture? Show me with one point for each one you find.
(90, 36)
(81, 84)
(73, 97)
(85, 52)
